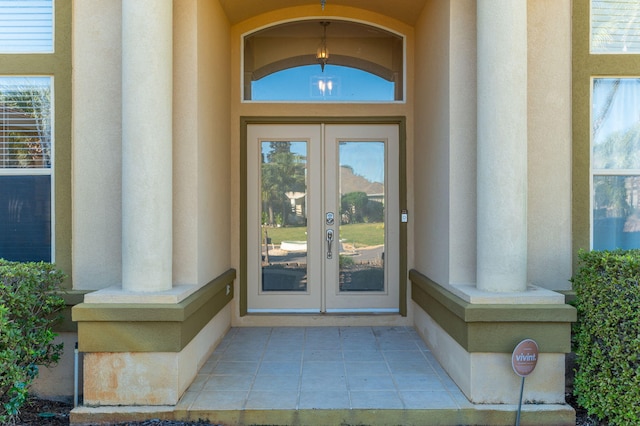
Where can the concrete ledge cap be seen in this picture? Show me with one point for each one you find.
(116, 294)
(534, 295)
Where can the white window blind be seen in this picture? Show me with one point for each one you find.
(25, 123)
(26, 26)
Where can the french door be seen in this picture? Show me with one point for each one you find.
(323, 218)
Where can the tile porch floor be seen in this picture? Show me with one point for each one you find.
(291, 368)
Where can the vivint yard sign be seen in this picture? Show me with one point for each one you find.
(524, 360)
(524, 357)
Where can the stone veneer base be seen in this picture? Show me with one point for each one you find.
(152, 378)
(488, 378)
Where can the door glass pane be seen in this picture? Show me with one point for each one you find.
(284, 215)
(362, 234)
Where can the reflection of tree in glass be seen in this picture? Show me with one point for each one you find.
(615, 124)
(25, 124)
(611, 197)
(282, 171)
(356, 207)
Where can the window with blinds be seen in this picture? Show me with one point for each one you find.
(26, 173)
(26, 26)
(615, 26)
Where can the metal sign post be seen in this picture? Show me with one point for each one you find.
(523, 361)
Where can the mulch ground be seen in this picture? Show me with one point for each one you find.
(52, 413)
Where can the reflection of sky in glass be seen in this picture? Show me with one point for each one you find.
(366, 159)
(298, 148)
(308, 83)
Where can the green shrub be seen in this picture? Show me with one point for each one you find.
(28, 310)
(607, 381)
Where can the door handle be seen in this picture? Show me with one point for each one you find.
(329, 242)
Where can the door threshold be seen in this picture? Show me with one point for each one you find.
(328, 312)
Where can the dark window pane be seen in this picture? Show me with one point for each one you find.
(25, 218)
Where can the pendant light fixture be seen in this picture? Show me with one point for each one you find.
(322, 55)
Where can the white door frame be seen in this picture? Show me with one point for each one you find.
(401, 280)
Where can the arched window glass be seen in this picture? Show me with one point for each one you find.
(336, 83)
(330, 61)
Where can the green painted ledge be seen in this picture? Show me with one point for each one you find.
(494, 327)
(150, 327)
(71, 299)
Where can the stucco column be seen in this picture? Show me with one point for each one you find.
(147, 62)
(502, 145)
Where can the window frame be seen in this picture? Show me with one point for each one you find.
(585, 67)
(41, 171)
(403, 77)
(56, 65)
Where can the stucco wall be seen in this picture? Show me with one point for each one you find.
(201, 169)
(201, 147)
(445, 153)
(549, 152)
(97, 136)
(463, 136)
(432, 150)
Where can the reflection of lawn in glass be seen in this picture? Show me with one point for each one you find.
(359, 234)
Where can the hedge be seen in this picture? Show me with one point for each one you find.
(29, 307)
(607, 335)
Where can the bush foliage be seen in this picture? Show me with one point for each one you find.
(607, 338)
(28, 310)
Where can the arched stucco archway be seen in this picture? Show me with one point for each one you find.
(351, 44)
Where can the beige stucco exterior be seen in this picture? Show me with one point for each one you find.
(442, 141)
(447, 169)
(440, 111)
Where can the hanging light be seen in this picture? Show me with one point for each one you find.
(322, 54)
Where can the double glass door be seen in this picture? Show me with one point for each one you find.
(323, 218)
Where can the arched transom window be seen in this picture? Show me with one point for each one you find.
(323, 60)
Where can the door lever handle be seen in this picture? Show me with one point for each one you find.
(329, 242)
